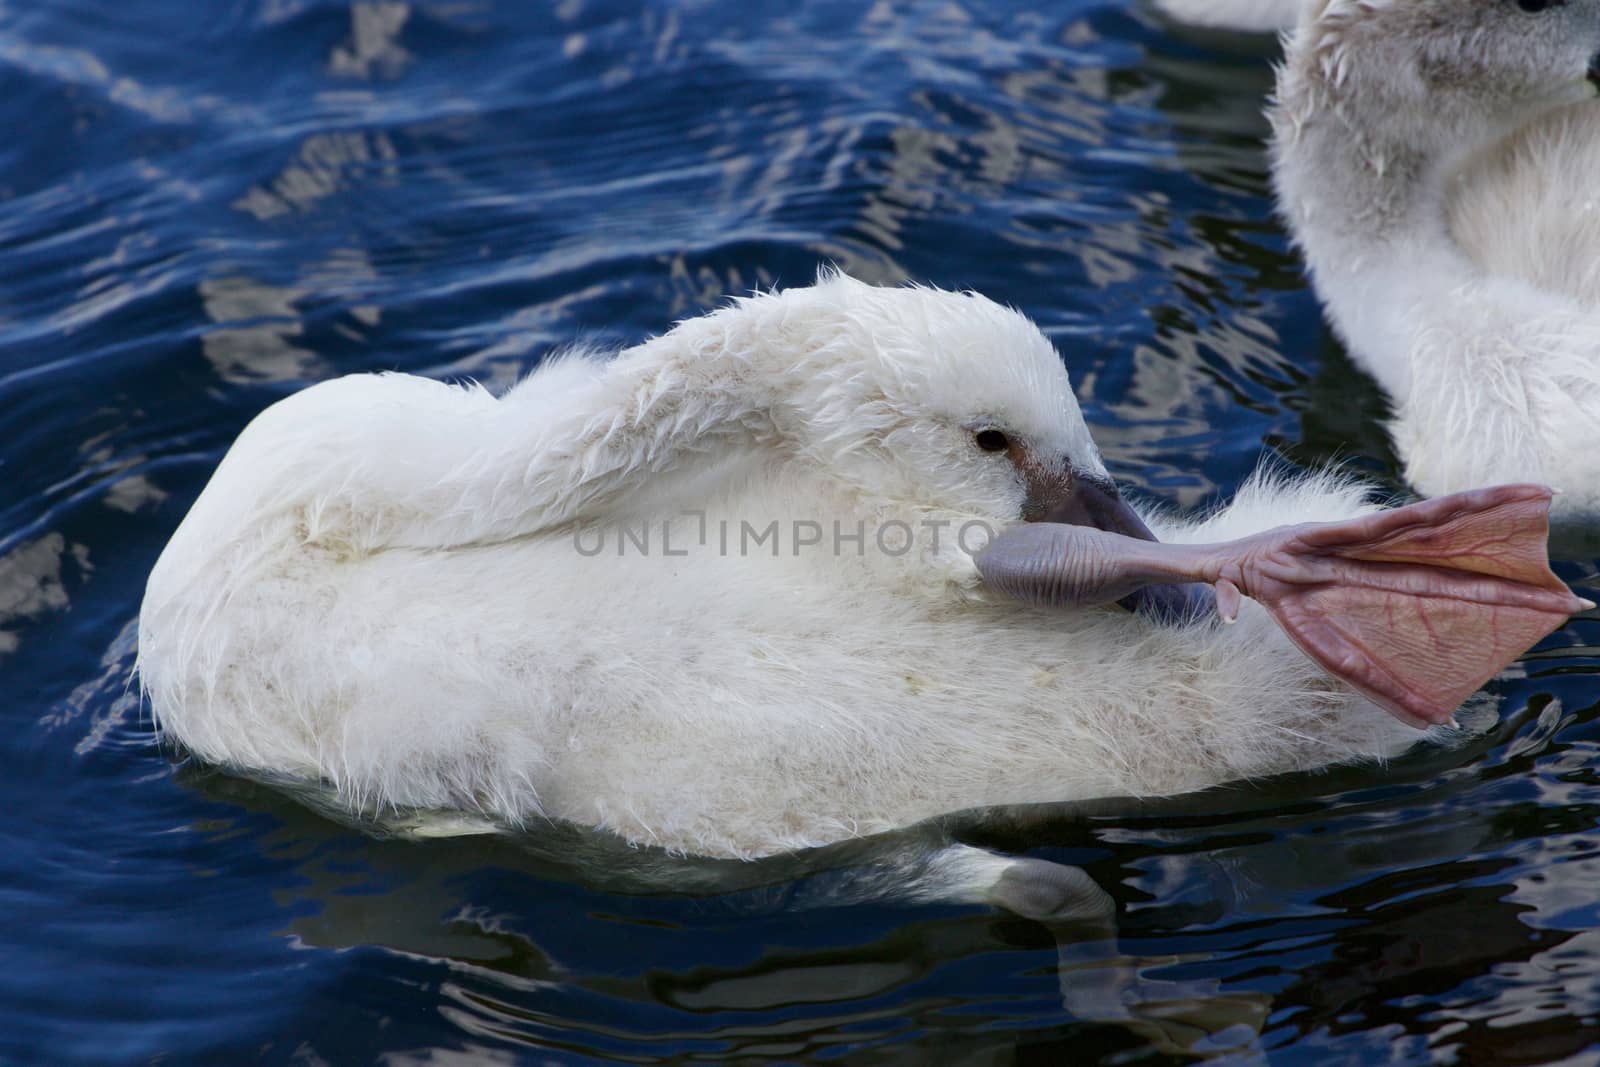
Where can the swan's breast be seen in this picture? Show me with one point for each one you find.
(1528, 207)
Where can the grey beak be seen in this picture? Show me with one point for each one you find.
(1094, 501)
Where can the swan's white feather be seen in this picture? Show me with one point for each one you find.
(1526, 207)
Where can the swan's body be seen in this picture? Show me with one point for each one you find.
(393, 585)
(1435, 161)
(1245, 16)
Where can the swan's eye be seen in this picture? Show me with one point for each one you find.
(1535, 6)
(991, 440)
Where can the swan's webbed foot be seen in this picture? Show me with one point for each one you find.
(1415, 608)
(1029, 887)
(1050, 892)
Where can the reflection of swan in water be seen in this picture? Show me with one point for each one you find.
(509, 937)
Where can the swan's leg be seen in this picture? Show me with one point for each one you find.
(916, 869)
(1181, 1018)
(1098, 982)
(1415, 607)
(1032, 888)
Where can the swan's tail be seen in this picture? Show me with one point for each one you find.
(1246, 16)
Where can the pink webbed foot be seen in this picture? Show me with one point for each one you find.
(1420, 606)
(1416, 607)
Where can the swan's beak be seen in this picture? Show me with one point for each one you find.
(1080, 499)
(1074, 498)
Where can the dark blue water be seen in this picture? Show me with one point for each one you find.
(204, 207)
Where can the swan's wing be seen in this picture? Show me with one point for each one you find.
(369, 462)
(1420, 606)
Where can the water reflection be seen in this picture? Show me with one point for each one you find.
(79, 68)
(326, 164)
(30, 584)
(739, 951)
(260, 351)
(373, 48)
(106, 706)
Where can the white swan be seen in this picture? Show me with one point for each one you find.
(1436, 162)
(665, 594)
(1245, 16)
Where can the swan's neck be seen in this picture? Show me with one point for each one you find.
(573, 446)
(1362, 183)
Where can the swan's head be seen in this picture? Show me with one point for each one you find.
(1442, 65)
(934, 402)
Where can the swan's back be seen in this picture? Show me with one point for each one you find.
(1527, 207)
